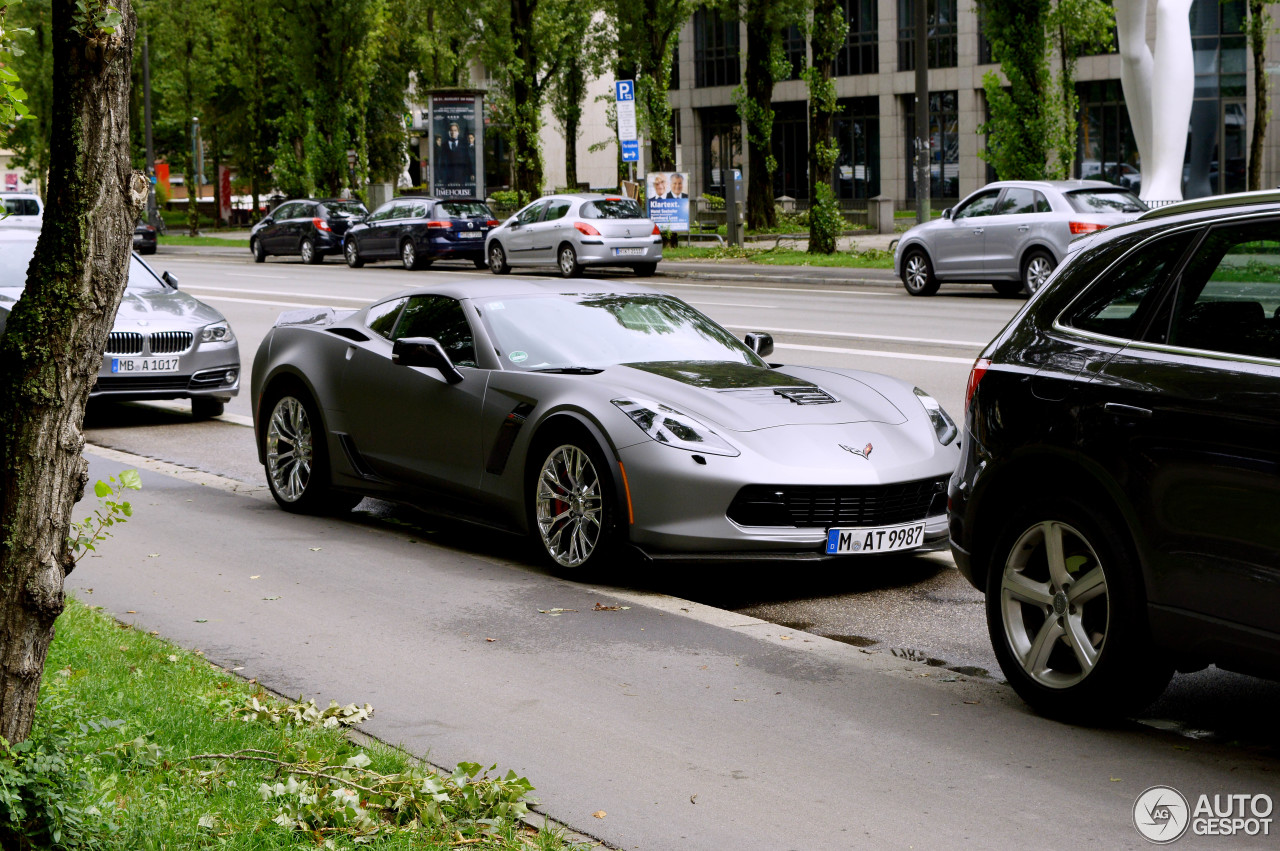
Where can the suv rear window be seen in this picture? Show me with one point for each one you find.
(464, 210)
(1105, 201)
(21, 207)
(611, 208)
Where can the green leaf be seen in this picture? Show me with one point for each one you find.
(131, 479)
(101, 489)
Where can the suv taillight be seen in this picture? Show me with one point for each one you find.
(320, 224)
(975, 375)
(1086, 227)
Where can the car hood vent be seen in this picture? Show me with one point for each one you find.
(783, 395)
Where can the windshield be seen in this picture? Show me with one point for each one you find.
(1105, 201)
(345, 208)
(15, 257)
(464, 210)
(21, 207)
(595, 331)
(611, 208)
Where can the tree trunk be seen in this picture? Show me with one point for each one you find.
(52, 349)
(1259, 23)
(527, 98)
(758, 114)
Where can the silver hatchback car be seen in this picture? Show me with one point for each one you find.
(1011, 233)
(573, 231)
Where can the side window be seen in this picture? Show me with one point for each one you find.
(1229, 296)
(532, 213)
(557, 210)
(1113, 306)
(442, 318)
(383, 213)
(419, 211)
(381, 318)
(284, 211)
(1017, 201)
(983, 205)
(1042, 204)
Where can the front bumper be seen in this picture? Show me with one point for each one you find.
(681, 508)
(211, 370)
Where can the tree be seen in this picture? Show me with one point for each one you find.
(645, 33)
(33, 63)
(581, 61)
(1020, 124)
(52, 347)
(1257, 31)
(767, 21)
(1076, 28)
(827, 33)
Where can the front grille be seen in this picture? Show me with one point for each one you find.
(837, 505)
(115, 383)
(171, 342)
(124, 343)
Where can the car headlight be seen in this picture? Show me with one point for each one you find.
(218, 332)
(673, 428)
(943, 425)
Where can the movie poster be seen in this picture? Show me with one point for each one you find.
(668, 199)
(456, 149)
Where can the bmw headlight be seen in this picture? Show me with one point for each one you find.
(943, 425)
(673, 428)
(218, 332)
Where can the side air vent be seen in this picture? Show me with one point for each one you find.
(806, 395)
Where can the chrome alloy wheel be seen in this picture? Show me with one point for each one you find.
(569, 506)
(917, 272)
(568, 261)
(1038, 271)
(307, 251)
(1055, 605)
(289, 449)
(408, 256)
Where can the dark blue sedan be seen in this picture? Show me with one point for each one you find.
(418, 230)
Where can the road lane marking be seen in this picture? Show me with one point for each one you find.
(732, 304)
(215, 289)
(780, 289)
(251, 275)
(874, 354)
(853, 335)
(266, 302)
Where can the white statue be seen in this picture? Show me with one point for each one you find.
(404, 181)
(1158, 89)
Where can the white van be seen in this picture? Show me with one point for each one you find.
(22, 210)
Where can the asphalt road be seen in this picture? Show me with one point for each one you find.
(914, 617)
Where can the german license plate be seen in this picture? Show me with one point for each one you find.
(470, 234)
(881, 539)
(627, 252)
(144, 366)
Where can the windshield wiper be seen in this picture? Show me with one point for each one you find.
(570, 370)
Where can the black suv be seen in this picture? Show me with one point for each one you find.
(307, 227)
(1119, 494)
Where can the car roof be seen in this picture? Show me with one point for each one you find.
(1060, 185)
(1245, 201)
(472, 288)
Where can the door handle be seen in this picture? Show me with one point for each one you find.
(977, 231)
(1024, 227)
(1126, 410)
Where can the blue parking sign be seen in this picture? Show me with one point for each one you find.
(625, 89)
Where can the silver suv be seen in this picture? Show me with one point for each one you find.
(1012, 233)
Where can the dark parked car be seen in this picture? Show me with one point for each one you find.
(1119, 494)
(418, 231)
(144, 238)
(307, 228)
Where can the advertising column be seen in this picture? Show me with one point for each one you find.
(457, 146)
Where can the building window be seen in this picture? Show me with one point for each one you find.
(857, 133)
(1217, 140)
(795, 46)
(944, 146)
(861, 51)
(942, 34)
(790, 148)
(675, 68)
(721, 135)
(1107, 149)
(984, 45)
(715, 50)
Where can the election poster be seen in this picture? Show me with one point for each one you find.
(668, 200)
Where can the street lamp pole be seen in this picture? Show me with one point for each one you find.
(922, 110)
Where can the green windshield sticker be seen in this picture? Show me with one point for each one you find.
(518, 357)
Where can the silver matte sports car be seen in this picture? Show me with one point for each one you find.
(595, 416)
(165, 344)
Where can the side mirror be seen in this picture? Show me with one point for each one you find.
(513, 222)
(760, 343)
(424, 351)
(266, 220)
(946, 214)
(169, 279)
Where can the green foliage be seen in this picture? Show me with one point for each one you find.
(827, 33)
(86, 535)
(1076, 28)
(303, 713)
(1021, 125)
(15, 40)
(714, 202)
(39, 785)
(95, 17)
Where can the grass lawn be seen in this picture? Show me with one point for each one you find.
(869, 259)
(173, 238)
(141, 745)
